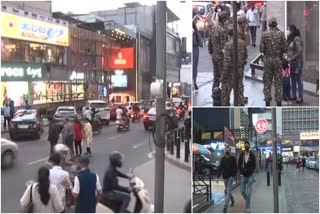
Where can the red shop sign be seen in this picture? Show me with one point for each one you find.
(122, 58)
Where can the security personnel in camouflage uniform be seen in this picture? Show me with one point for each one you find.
(217, 39)
(273, 45)
(227, 75)
(242, 25)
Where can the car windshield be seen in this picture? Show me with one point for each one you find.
(198, 10)
(28, 115)
(98, 105)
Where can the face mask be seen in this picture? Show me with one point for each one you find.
(219, 10)
(227, 152)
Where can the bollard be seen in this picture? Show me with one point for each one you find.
(216, 95)
(178, 145)
(268, 178)
(186, 150)
(172, 142)
(279, 177)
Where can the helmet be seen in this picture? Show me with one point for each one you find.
(273, 21)
(116, 159)
(242, 19)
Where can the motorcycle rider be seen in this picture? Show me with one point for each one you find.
(111, 189)
(121, 114)
(135, 110)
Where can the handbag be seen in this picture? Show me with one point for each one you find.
(69, 198)
(29, 207)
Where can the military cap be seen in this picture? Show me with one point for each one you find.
(273, 20)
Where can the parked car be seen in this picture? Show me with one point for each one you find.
(316, 165)
(149, 118)
(64, 112)
(102, 108)
(9, 153)
(310, 162)
(26, 123)
(204, 166)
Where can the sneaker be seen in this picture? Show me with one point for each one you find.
(248, 210)
(224, 210)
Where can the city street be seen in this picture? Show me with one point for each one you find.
(298, 193)
(253, 88)
(134, 144)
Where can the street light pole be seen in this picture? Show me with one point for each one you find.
(275, 162)
(235, 56)
(161, 37)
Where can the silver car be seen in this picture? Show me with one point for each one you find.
(9, 153)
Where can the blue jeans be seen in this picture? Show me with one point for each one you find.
(296, 79)
(246, 189)
(228, 185)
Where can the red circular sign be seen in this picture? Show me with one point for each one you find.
(262, 125)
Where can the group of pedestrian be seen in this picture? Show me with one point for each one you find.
(73, 134)
(53, 190)
(229, 166)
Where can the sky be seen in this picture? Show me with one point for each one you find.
(86, 6)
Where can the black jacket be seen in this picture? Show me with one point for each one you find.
(54, 132)
(228, 166)
(110, 180)
(247, 169)
(187, 126)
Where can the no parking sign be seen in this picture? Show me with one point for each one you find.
(262, 125)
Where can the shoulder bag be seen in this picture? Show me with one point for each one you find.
(29, 207)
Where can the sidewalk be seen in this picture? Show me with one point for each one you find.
(180, 162)
(177, 185)
(261, 198)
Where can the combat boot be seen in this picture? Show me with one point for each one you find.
(267, 103)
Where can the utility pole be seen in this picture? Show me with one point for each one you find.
(161, 37)
(275, 162)
(235, 56)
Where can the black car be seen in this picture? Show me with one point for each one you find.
(26, 123)
(204, 166)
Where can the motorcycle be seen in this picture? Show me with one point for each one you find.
(142, 205)
(96, 125)
(122, 124)
(134, 116)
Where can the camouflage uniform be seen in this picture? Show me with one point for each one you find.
(273, 45)
(217, 39)
(242, 30)
(227, 75)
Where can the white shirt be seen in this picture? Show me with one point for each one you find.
(76, 188)
(57, 177)
(253, 17)
(119, 113)
(88, 114)
(241, 13)
(246, 156)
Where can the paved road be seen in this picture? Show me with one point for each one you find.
(134, 144)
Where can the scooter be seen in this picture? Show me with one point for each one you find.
(135, 116)
(142, 205)
(122, 124)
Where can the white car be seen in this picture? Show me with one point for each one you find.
(102, 108)
(310, 162)
(9, 153)
(64, 112)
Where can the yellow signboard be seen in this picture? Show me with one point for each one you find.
(22, 28)
(205, 135)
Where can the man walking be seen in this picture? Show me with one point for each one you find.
(253, 19)
(68, 135)
(217, 38)
(228, 165)
(6, 115)
(89, 184)
(53, 134)
(247, 165)
(273, 45)
(227, 74)
(263, 16)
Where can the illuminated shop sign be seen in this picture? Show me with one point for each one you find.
(287, 149)
(217, 145)
(309, 135)
(21, 72)
(22, 28)
(122, 58)
(119, 81)
(76, 76)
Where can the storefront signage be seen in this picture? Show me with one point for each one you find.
(309, 148)
(21, 72)
(262, 125)
(22, 28)
(217, 146)
(287, 149)
(309, 135)
(76, 76)
(122, 58)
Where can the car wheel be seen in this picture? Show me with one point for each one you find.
(7, 159)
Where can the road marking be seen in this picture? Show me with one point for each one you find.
(138, 145)
(110, 138)
(37, 161)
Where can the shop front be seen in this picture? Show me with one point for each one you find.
(287, 151)
(309, 143)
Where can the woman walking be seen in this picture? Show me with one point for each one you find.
(78, 135)
(43, 195)
(87, 131)
(197, 42)
(295, 59)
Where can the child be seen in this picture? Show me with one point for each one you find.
(286, 80)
